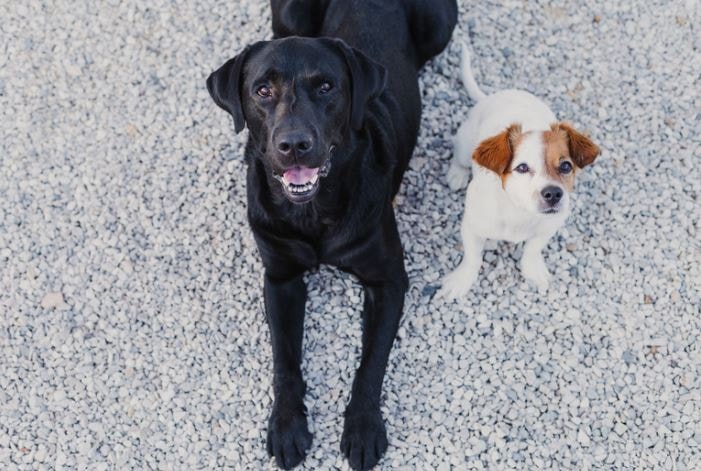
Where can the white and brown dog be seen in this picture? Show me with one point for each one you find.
(525, 163)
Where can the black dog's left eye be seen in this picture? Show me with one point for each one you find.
(565, 167)
(264, 91)
(325, 88)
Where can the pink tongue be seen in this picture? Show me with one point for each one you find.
(299, 175)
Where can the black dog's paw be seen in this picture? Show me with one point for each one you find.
(364, 439)
(288, 437)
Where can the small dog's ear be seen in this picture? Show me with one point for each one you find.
(224, 85)
(368, 80)
(582, 150)
(496, 152)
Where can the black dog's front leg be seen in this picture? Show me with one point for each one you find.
(288, 434)
(364, 439)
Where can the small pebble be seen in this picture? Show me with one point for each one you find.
(132, 325)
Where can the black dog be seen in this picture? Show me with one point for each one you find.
(333, 120)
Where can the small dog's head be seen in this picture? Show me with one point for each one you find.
(299, 97)
(537, 168)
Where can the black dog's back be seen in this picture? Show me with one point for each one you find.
(430, 22)
(399, 34)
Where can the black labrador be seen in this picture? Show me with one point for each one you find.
(333, 119)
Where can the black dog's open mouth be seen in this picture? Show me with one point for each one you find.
(301, 184)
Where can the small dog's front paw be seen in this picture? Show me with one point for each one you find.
(364, 439)
(457, 177)
(288, 436)
(457, 284)
(534, 270)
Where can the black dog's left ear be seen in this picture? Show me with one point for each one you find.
(224, 85)
(368, 79)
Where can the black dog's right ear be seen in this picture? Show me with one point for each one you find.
(368, 79)
(224, 85)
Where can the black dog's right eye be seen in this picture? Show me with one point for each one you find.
(264, 91)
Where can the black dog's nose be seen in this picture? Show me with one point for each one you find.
(552, 194)
(297, 143)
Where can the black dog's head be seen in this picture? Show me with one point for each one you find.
(299, 96)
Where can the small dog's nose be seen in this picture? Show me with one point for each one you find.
(551, 194)
(297, 143)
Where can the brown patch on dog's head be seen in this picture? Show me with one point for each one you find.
(496, 152)
(556, 151)
(581, 149)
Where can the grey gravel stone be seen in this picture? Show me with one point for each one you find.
(122, 191)
(628, 357)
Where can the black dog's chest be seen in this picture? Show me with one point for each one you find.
(305, 237)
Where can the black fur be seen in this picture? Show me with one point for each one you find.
(367, 124)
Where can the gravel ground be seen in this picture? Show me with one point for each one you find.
(132, 332)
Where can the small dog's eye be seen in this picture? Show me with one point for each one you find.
(522, 168)
(565, 167)
(325, 88)
(264, 91)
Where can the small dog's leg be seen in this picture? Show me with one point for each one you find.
(532, 263)
(457, 176)
(464, 144)
(288, 433)
(458, 283)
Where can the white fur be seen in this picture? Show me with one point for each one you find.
(468, 78)
(512, 212)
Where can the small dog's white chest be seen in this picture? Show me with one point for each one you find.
(489, 213)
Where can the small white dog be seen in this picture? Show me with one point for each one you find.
(524, 167)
